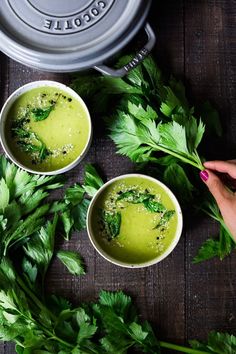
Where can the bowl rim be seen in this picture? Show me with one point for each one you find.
(26, 88)
(143, 264)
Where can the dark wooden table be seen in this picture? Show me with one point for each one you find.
(196, 41)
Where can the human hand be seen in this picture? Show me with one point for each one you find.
(225, 198)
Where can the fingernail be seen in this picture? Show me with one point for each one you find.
(204, 175)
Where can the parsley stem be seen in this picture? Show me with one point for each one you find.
(35, 299)
(220, 220)
(222, 223)
(43, 308)
(179, 348)
(18, 342)
(180, 157)
(61, 340)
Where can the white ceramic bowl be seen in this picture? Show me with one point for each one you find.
(159, 258)
(7, 106)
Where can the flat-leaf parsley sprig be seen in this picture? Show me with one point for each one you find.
(39, 323)
(137, 135)
(151, 121)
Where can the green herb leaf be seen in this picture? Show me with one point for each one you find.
(21, 133)
(40, 247)
(135, 138)
(165, 218)
(171, 102)
(74, 194)
(30, 200)
(21, 183)
(140, 113)
(154, 206)
(218, 343)
(3, 223)
(177, 180)
(147, 199)
(137, 332)
(57, 304)
(92, 181)
(159, 118)
(79, 214)
(30, 143)
(155, 76)
(72, 261)
(19, 233)
(40, 114)
(30, 270)
(118, 301)
(135, 197)
(173, 137)
(210, 117)
(4, 195)
(111, 222)
(226, 242)
(211, 248)
(68, 222)
(118, 315)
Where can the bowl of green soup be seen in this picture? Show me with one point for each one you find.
(45, 127)
(134, 221)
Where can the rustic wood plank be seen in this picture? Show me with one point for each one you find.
(210, 69)
(182, 300)
(165, 282)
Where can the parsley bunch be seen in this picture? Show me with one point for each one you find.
(152, 123)
(24, 212)
(42, 324)
(52, 325)
(23, 208)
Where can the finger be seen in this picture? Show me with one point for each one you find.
(222, 166)
(233, 161)
(221, 194)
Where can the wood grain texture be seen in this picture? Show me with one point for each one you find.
(210, 73)
(195, 41)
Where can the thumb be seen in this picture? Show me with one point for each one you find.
(216, 187)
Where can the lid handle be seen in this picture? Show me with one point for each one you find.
(137, 59)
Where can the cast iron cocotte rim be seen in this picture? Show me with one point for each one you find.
(60, 36)
(7, 106)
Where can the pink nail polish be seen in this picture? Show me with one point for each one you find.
(204, 175)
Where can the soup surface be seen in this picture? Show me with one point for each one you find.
(134, 220)
(47, 129)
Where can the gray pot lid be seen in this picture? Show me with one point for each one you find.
(60, 35)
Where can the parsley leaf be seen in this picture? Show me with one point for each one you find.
(218, 343)
(213, 247)
(210, 117)
(177, 180)
(72, 261)
(165, 218)
(5, 195)
(39, 148)
(74, 194)
(134, 138)
(209, 249)
(225, 243)
(92, 181)
(29, 141)
(147, 199)
(40, 114)
(111, 222)
(73, 207)
(79, 213)
(157, 122)
(40, 247)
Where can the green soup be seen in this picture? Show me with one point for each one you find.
(134, 220)
(47, 129)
